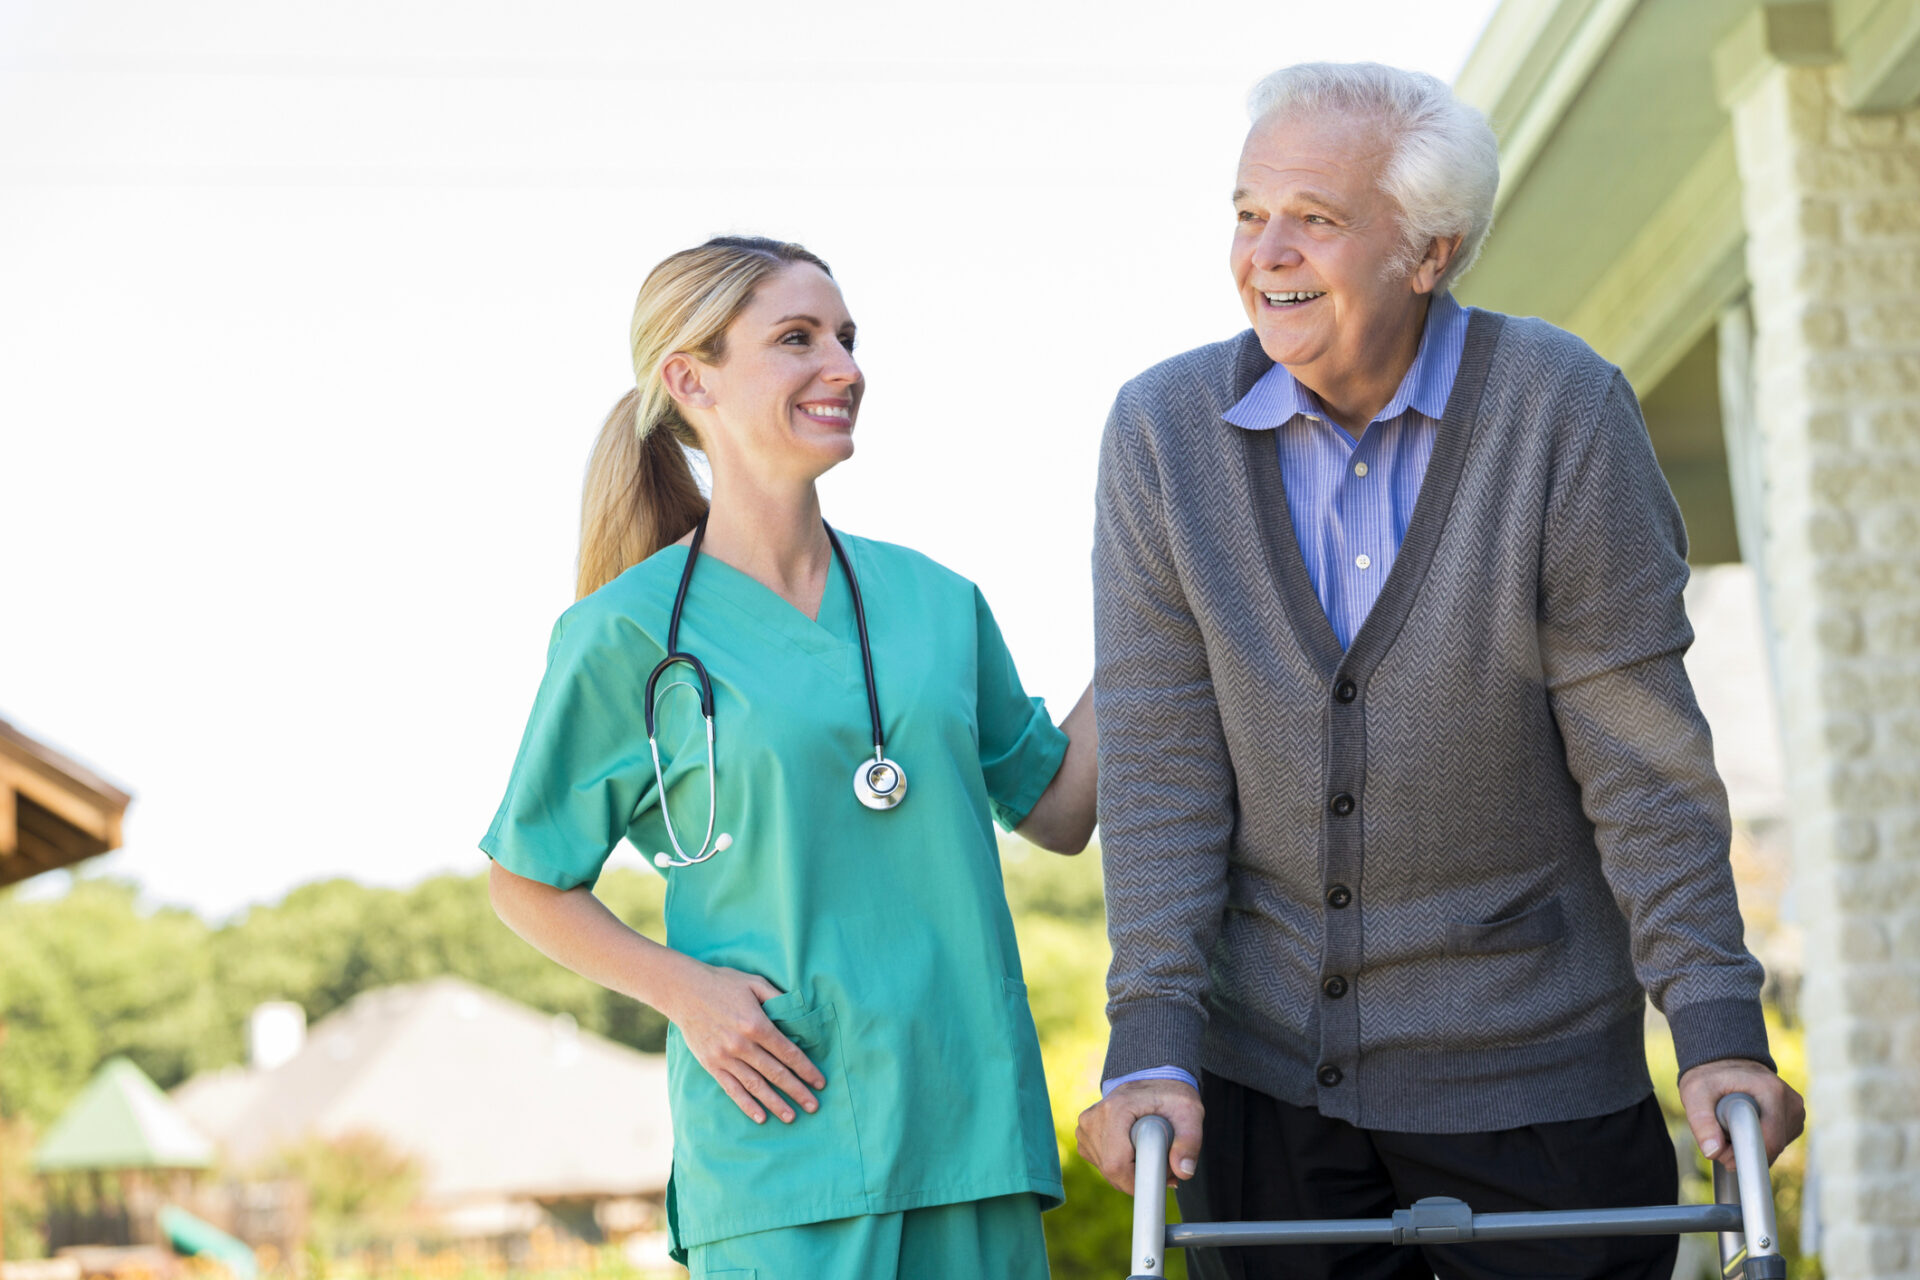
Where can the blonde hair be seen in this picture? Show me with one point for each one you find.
(640, 493)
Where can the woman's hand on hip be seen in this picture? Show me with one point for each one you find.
(718, 1013)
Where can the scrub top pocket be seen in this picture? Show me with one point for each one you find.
(814, 1163)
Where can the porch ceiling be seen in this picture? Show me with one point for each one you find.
(1606, 110)
(54, 812)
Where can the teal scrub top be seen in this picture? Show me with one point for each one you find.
(888, 931)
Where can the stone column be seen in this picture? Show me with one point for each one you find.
(1832, 207)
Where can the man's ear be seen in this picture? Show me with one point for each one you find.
(681, 374)
(1433, 265)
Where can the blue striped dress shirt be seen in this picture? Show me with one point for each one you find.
(1350, 500)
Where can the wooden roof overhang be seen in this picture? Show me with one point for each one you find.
(54, 812)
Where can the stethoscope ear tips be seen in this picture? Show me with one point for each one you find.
(662, 860)
(724, 842)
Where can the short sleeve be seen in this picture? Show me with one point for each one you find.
(1020, 746)
(583, 770)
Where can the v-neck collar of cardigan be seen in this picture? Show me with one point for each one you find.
(1278, 397)
(1267, 490)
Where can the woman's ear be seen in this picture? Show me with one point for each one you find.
(681, 374)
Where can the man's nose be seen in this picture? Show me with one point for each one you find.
(1275, 249)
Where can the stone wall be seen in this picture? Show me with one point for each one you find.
(1832, 206)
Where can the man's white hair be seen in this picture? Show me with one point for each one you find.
(1444, 166)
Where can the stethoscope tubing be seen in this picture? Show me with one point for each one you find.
(886, 795)
(866, 650)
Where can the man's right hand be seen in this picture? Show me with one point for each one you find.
(1105, 1135)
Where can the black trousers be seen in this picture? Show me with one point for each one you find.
(1263, 1159)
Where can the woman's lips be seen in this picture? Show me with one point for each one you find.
(828, 414)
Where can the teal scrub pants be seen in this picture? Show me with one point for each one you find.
(997, 1239)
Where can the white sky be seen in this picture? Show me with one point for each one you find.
(309, 314)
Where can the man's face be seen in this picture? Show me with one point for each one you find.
(1313, 238)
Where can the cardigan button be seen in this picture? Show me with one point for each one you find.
(1346, 691)
(1339, 896)
(1341, 804)
(1334, 987)
(1330, 1076)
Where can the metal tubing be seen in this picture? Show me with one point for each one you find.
(1152, 1140)
(1733, 1244)
(1656, 1220)
(1741, 1115)
(1219, 1235)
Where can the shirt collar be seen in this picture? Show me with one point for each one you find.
(1278, 396)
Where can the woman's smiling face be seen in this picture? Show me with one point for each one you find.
(786, 391)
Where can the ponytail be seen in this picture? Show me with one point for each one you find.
(640, 494)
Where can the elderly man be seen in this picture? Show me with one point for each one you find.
(1405, 796)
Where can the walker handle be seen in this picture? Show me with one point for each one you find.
(1757, 1245)
(1152, 1140)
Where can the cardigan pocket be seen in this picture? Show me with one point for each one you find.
(1534, 927)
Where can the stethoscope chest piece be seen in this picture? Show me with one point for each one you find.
(879, 783)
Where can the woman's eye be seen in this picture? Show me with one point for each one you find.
(796, 335)
(1244, 215)
(846, 340)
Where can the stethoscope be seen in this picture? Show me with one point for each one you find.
(878, 783)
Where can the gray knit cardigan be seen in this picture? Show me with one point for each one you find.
(1421, 884)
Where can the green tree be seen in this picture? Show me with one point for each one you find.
(359, 1189)
(141, 981)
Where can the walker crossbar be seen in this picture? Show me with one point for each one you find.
(1749, 1244)
(1405, 1226)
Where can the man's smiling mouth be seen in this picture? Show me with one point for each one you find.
(1292, 299)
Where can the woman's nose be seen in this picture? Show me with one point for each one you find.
(841, 367)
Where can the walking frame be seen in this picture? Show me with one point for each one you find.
(1742, 1212)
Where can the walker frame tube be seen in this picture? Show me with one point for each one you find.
(1742, 1213)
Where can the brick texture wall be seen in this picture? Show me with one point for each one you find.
(1832, 206)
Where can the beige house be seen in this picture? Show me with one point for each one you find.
(1723, 197)
(511, 1114)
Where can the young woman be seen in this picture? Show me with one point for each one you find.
(811, 734)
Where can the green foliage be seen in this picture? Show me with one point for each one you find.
(91, 976)
(358, 1188)
(1045, 884)
(21, 1208)
(50, 1043)
(93, 973)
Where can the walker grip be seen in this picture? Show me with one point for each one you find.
(1152, 1139)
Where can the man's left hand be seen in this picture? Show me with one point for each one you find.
(1782, 1112)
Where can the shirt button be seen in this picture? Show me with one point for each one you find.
(1346, 691)
(1341, 804)
(1329, 1076)
(1334, 987)
(1362, 562)
(1339, 896)
(1359, 468)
